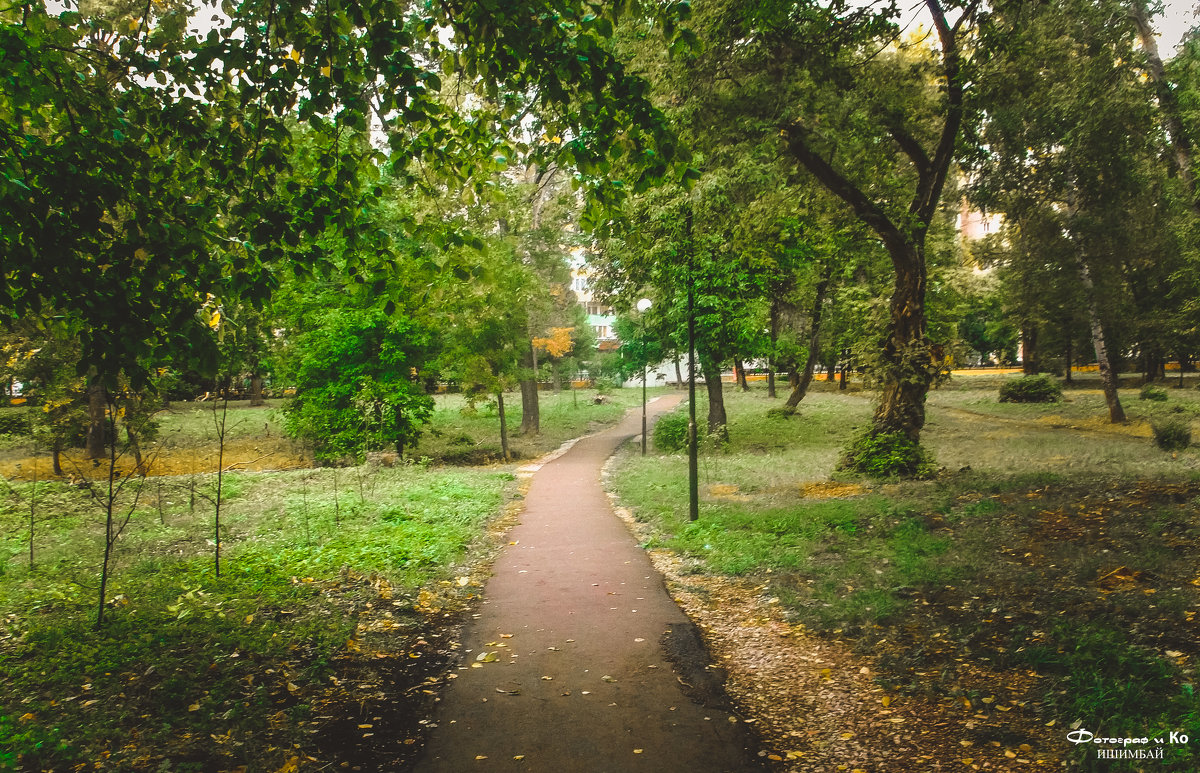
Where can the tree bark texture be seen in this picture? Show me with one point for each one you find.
(1108, 379)
(97, 413)
(1029, 350)
(716, 399)
(503, 425)
(739, 370)
(256, 389)
(1168, 105)
(530, 415)
(804, 379)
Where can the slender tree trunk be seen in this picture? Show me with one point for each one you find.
(842, 376)
(716, 398)
(530, 417)
(97, 408)
(739, 372)
(1116, 414)
(503, 425)
(56, 458)
(774, 332)
(678, 373)
(1029, 350)
(1168, 105)
(1069, 356)
(801, 382)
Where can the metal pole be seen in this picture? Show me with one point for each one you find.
(643, 387)
(693, 451)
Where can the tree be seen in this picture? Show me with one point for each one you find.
(186, 139)
(1066, 149)
(355, 386)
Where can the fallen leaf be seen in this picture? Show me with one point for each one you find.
(194, 707)
(481, 756)
(519, 757)
(462, 581)
(637, 751)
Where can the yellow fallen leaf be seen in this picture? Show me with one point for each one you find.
(194, 707)
(1052, 723)
(519, 757)
(291, 766)
(826, 673)
(846, 736)
(365, 727)
(886, 701)
(968, 760)
(462, 581)
(26, 717)
(291, 687)
(1010, 753)
(481, 756)
(1174, 654)
(637, 751)
(775, 757)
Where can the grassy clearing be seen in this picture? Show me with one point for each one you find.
(1045, 554)
(458, 434)
(338, 591)
(187, 657)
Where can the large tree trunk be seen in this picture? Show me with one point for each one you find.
(97, 410)
(908, 360)
(256, 389)
(1029, 350)
(716, 398)
(1116, 414)
(530, 415)
(801, 382)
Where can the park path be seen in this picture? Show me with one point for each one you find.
(576, 635)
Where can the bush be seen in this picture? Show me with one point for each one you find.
(886, 455)
(1152, 393)
(1031, 389)
(671, 433)
(1172, 434)
(14, 423)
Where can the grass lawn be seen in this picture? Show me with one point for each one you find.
(332, 620)
(1052, 549)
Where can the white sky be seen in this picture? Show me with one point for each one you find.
(1178, 17)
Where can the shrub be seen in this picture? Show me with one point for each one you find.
(1031, 389)
(14, 423)
(671, 433)
(888, 454)
(1172, 434)
(1152, 393)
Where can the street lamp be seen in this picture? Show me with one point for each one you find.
(643, 306)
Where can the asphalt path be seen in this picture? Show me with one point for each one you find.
(578, 660)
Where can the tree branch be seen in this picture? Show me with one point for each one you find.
(837, 183)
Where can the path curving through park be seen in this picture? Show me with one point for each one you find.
(578, 660)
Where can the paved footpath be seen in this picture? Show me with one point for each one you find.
(574, 635)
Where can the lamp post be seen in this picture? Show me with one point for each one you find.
(643, 306)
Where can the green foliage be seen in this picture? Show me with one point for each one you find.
(1172, 433)
(1031, 389)
(888, 454)
(671, 433)
(1150, 392)
(355, 390)
(14, 421)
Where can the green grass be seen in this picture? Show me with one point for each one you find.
(998, 560)
(186, 655)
